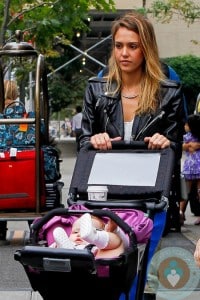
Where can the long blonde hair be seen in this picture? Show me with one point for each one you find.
(152, 71)
(10, 90)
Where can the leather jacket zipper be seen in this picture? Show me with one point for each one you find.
(149, 125)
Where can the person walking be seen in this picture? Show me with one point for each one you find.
(191, 165)
(10, 92)
(76, 125)
(134, 101)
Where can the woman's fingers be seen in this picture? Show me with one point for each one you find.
(102, 141)
(157, 141)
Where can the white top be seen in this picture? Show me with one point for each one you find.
(128, 131)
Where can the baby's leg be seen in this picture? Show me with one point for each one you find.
(61, 238)
(90, 234)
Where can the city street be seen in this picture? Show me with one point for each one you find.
(14, 283)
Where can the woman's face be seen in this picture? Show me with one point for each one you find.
(127, 51)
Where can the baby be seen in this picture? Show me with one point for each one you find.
(108, 239)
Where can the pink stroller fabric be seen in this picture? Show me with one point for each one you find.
(140, 223)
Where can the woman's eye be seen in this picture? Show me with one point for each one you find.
(134, 46)
(118, 46)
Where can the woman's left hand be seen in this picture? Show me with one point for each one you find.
(157, 141)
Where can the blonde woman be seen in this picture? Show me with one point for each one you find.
(135, 101)
(134, 94)
(10, 91)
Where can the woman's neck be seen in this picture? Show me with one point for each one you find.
(131, 79)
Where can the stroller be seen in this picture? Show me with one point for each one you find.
(138, 182)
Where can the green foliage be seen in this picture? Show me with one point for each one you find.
(188, 69)
(163, 11)
(51, 25)
(43, 21)
(66, 94)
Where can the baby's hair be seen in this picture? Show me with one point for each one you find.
(194, 124)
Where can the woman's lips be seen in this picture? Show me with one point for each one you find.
(125, 62)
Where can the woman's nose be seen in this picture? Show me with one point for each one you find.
(124, 51)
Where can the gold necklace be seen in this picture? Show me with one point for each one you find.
(130, 97)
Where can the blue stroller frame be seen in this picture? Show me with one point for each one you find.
(149, 193)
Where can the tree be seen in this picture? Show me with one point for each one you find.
(188, 68)
(50, 26)
(163, 11)
(42, 22)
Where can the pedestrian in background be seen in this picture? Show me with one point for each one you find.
(10, 91)
(76, 125)
(191, 165)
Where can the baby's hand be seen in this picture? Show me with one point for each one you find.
(111, 226)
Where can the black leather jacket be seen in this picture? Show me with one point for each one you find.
(104, 113)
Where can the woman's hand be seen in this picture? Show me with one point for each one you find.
(197, 253)
(157, 141)
(102, 141)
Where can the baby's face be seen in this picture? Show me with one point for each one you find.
(75, 234)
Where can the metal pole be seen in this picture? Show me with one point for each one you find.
(78, 56)
(87, 55)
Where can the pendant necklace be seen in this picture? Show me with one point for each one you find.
(130, 97)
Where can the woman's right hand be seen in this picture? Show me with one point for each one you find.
(102, 141)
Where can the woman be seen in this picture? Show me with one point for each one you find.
(10, 91)
(134, 101)
(191, 164)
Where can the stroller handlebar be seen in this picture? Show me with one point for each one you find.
(121, 145)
